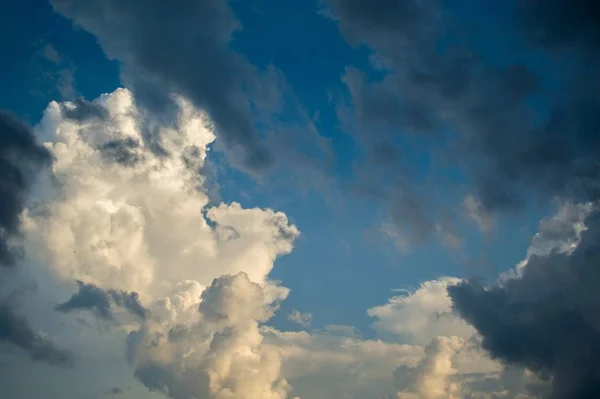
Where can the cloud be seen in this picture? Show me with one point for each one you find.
(124, 226)
(93, 298)
(21, 158)
(51, 54)
(220, 355)
(421, 315)
(15, 329)
(430, 379)
(333, 364)
(183, 47)
(148, 227)
(80, 109)
(474, 210)
(544, 320)
(302, 319)
(440, 94)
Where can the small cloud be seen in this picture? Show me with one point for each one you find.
(448, 237)
(474, 209)
(400, 240)
(303, 319)
(51, 54)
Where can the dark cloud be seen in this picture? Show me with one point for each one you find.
(82, 110)
(122, 151)
(15, 329)
(183, 47)
(99, 301)
(526, 123)
(20, 158)
(547, 320)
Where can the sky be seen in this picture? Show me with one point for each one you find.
(316, 199)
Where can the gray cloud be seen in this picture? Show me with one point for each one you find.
(183, 47)
(15, 329)
(80, 110)
(98, 301)
(122, 151)
(436, 82)
(20, 158)
(547, 320)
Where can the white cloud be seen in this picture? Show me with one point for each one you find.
(140, 226)
(421, 315)
(302, 319)
(431, 378)
(114, 213)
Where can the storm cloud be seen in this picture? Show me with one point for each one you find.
(546, 320)
(525, 125)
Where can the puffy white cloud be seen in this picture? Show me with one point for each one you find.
(126, 212)
(118, 215)
(421, 315)
(430, 379)
(217, 355)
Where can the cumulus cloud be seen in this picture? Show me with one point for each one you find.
(430, 379)
(421, 315)
(544, 320)
(218, 356)
(142, 226)
(144, 232)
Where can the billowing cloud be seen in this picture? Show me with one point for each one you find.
(144, 232)
(142, 226)
(220, 355)
(544, 319)
(421, 315)
(431, 378)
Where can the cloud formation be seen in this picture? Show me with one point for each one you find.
(182, 47)
(544, 319)
(513, 128)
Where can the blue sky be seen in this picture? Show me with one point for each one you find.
(462, 197)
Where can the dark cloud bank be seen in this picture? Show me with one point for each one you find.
(522, 128)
